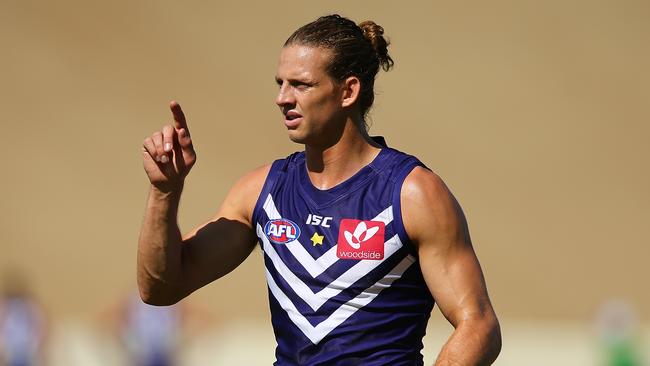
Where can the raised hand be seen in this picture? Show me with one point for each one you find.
(168, 155)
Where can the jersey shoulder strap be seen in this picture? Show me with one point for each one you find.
(278, 168)
(405, 168)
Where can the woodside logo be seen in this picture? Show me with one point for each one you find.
(360, 239)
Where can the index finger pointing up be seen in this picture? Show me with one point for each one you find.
(179, 116)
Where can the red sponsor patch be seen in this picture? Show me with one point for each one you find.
(360, 239)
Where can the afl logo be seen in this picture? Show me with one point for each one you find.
(281, 231)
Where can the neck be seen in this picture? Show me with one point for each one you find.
(330, 165)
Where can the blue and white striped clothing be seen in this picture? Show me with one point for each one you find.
(345, 285)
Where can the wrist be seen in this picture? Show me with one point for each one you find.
(164, 203)
(165, 193)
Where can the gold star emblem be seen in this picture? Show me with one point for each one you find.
(317, 239)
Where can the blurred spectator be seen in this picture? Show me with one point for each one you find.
(152, 335)
(22, 324)
(618, 328)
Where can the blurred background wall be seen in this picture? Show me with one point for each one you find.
(535, 113)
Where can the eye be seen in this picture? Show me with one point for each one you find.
(300, 85)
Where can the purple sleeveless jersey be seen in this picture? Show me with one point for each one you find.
(345, 286)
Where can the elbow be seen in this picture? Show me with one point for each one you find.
(158, 294)
(154, 290)
(157, 298)
(493, 342)
(484, 336)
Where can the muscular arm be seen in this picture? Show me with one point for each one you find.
(171, 266)
(437, 226)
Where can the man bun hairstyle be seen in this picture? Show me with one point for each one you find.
(374, 33)
(357, 50)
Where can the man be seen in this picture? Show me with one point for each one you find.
(358, 238)
(23, 324)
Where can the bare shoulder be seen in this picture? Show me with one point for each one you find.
(244, 193)
(429, 209)
(422, 183)
(253, 181)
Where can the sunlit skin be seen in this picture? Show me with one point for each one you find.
(309, 99)
(323, 114)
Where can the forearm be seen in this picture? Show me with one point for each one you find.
(159, 265)
(474, 342)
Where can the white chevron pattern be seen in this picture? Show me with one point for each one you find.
(317, 266)
(349, 277)
(318, 332)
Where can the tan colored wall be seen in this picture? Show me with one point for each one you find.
(535, 113)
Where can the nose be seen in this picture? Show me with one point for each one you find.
(285, 96)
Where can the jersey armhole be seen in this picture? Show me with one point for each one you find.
(404, 171)
(276, 168)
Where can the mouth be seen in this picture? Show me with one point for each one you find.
(292, 119)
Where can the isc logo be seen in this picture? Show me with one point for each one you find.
(323, 221)
(281, 231)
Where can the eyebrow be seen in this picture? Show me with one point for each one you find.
(278, 80)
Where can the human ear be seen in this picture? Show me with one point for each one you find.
(351, 90)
